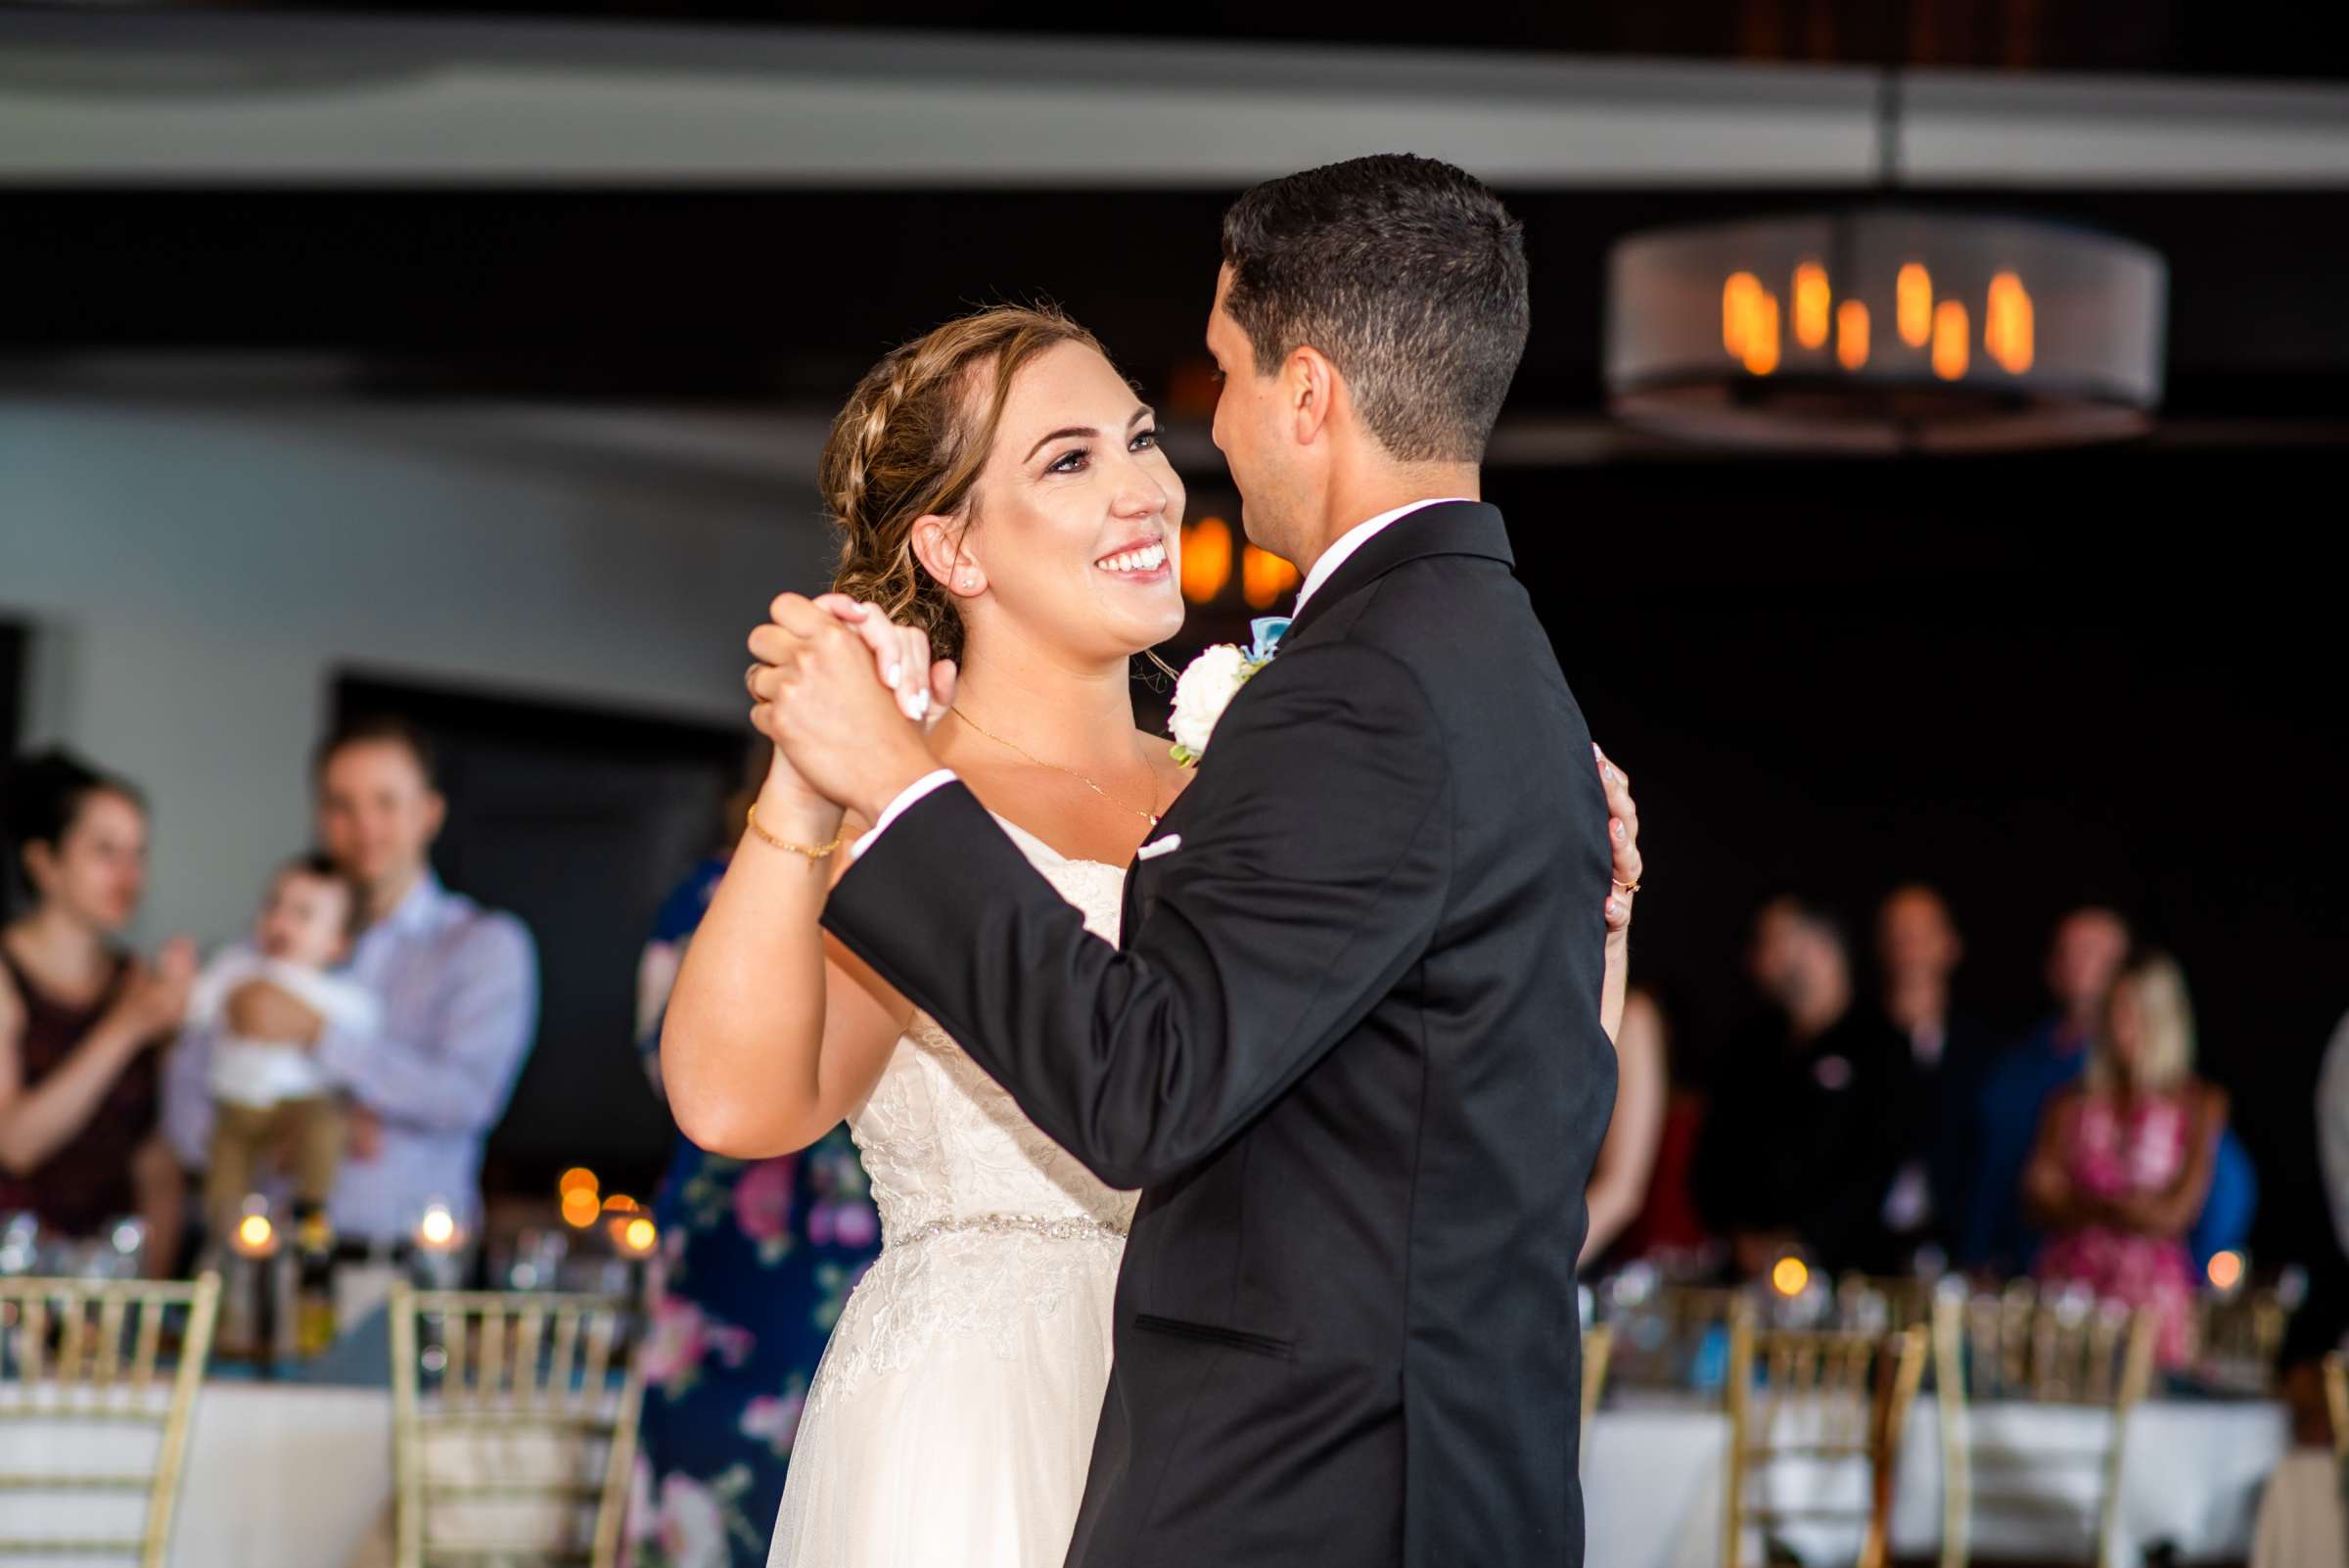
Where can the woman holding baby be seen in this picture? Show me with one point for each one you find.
(81, 1020)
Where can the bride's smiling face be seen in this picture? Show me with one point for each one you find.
(1076, 520)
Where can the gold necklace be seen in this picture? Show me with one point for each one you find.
(1149, 816)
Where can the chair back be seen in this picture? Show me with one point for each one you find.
(2024, 1346)
(2235, 1340)
(1883, 1304)
(1828, 1400)
(514, 1426)
(84, 1362)
(1676, 1339)
(1598, 1349)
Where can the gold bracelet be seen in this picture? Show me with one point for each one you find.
(824, 853)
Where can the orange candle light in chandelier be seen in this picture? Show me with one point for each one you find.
(1264, 577)
(1950, 349)
(1762, 338)
(1913, 304)
(1812, 299)
(1740, 311)
(1851, 335)
(2007, 327)
(1206, 559)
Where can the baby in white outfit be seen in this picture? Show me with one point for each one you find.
(272, 1095)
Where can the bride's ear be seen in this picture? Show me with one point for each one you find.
(937, 544)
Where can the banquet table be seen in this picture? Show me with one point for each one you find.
(298, 1475)
(2192, 1473)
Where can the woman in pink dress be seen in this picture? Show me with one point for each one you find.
(2124, 1159)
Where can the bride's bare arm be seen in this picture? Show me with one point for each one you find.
(773, 1032)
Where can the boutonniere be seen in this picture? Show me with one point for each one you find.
(1209, 684)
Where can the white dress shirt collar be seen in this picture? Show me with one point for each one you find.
(1354, 538)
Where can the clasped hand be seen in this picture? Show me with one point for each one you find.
(854, 741)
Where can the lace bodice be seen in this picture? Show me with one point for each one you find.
(943, 1142)
(989, 1229)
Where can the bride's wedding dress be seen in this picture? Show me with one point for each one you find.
(952, 1420)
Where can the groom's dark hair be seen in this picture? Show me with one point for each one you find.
(1408, 273)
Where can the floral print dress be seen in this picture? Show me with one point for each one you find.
(757, 1258)
(2114, 1154)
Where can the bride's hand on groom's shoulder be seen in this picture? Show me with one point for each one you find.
(841, 691)
(1623, 834)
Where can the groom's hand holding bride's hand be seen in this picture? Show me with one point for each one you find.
(855, 740)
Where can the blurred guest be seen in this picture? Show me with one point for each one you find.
(458, 985)
(1619, 1181)
(2086, 951)
(2089, 947)
(1667, 1231)
(79, 1019)
(1919, 948)
(2121, 1164)
(2321, 1323)
(758, 1257)
(1805, 1131)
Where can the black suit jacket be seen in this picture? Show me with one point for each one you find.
(1350, 1049)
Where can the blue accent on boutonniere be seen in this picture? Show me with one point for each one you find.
(1268, 630)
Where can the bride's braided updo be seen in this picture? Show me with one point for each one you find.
(911, 444)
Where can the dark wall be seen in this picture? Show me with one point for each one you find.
(2112, 676)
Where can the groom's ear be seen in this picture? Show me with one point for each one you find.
(937, 544)
(1310, 385)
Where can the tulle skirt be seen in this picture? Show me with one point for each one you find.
(952, 1420)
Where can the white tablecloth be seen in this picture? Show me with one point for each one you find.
(278, 1476)
(2191, 1475)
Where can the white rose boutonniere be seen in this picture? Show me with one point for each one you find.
(1210, 683)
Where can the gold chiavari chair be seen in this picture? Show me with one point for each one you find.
(82, 1354)
(1598, 1349)
(2336, 1403)
(1882, 1304)
(499, 1405)
(2235, 1339)
(1827, 1398)
(2020, 1347)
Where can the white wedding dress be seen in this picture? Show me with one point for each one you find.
(952, 1420)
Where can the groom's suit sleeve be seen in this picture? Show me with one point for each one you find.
(1316, 858)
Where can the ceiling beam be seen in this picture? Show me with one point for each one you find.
(265, 99)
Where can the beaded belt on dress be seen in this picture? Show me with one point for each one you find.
(1009, 1224)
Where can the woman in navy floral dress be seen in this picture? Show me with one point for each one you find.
(758, 1257)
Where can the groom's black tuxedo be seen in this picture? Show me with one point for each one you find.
(1350, 1048)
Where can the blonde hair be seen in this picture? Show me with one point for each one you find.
(912, 443)
(2165, 1012)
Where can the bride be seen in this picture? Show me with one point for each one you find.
(1002, 493)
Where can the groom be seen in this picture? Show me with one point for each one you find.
(1350, 1047)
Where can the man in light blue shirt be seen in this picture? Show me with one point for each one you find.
(459, 987)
